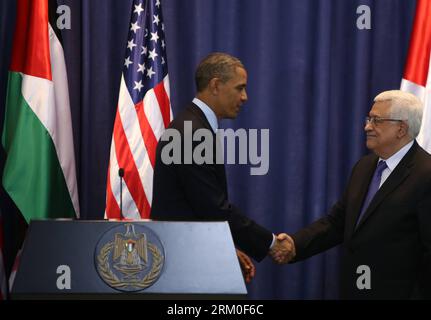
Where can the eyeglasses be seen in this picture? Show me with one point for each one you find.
(377, 120)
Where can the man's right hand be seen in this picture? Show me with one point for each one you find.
(283, 251)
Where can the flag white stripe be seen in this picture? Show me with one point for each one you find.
(63, 132)
(153, 113)
(167, 87)
(413, 88)
(168, 92)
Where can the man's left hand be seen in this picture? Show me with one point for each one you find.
(247, 266)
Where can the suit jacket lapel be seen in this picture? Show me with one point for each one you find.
(400, 173)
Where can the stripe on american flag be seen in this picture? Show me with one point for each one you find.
(163, 100)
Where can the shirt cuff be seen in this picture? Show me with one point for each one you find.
(273, 242)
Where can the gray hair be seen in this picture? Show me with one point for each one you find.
(216, 65)
(404, 106)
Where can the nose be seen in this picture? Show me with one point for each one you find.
(244, 97)
(368, 126)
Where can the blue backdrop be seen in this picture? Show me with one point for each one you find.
(312, 77)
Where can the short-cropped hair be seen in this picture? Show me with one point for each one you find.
(216, 65)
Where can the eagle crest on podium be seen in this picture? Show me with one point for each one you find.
(129, 262)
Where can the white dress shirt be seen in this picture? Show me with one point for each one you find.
(393, 161)
(208, 112)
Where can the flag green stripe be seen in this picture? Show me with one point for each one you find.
(32, 174)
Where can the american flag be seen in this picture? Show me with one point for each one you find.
(143, 113)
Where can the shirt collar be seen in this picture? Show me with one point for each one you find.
(208, 112)
(393, 160)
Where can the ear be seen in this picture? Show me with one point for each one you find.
(214, 86)
(403, 130)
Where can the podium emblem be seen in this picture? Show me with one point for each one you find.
(129, 257)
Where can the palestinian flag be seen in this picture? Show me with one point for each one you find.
(417, 73)
(39, 173)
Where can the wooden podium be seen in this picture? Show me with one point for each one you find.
(92, 259)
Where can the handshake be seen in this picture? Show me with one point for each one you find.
(281, 252)
(283, 249)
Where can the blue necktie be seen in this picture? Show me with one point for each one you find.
(374, 186)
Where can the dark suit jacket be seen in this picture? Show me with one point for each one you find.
(191, 192)
(393, 237)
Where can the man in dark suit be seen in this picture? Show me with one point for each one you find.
(383, 219)
(198, 192)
